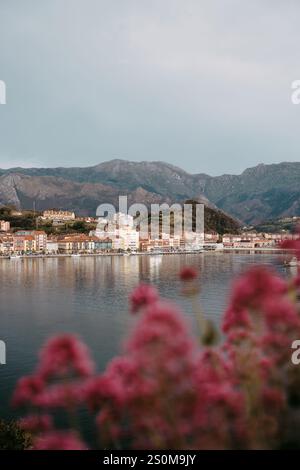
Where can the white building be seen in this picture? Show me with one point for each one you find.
(6, 244)
(193, 240)
(121, 230)
(58, 216)
(4, 226)
(123, 220)
(52, 247)
(101, 229)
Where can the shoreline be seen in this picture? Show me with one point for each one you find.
(94, 255)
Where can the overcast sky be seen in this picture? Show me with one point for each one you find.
(204, 85)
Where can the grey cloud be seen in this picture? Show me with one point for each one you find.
(204, 85)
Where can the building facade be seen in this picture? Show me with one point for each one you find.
(58, 215)
(4, 226)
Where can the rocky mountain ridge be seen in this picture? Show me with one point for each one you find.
(259, 193)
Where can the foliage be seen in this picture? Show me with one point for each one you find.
(13, 437)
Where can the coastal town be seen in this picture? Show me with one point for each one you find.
(120, 235)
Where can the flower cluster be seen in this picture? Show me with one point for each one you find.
(167, 391)
(57, 383)
(142, 296)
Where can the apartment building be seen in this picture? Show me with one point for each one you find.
(102, 245)
(121, 230)
(40, 238)
(4, 226)
(58, 215)
(24, 244)
(52, 246)
(255, 240)
(211, 237)
(6, 244)
(83, 243)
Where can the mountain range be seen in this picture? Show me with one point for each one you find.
(259, 193)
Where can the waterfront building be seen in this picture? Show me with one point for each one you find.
(40, 238)
(245, 244)
(211, 237)
(167, 244)
(256, 240)
(103, 245)
(6, 244)
(279, 237)
(120, 230)
(155, 245)
(128, 237)
(24, 243)
(81, 243)
(101, 229)
(4, 226)
(195, 241)
(65, 246)
(52, 246)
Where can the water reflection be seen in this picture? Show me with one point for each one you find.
(40, 297)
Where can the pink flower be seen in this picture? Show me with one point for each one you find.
(188, 273)
(27, 390)
(65, 355)
(253, 287)
(109, 421)
(213, 367)
(59, 440)
(266, 366)
(155, 375)
(292, 245)
(252, 293)
(36, 423)
(100, 389)
(237, 318)
(281, 315)
(273, 399)
(277, 347)
(219, 414)
(163, 327)
(142, 296)
(238, 337)
(61, 395)
(296, 281)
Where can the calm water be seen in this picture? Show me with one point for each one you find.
(41, 297)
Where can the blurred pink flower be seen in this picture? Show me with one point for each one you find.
(142, 296)
(109, 424)
(254, 286)
(65, 355)
(100, 389)
(236, 318)
(36, 423)
(61, 395)
(59, 440)
(154, 380)
(188, 273)
(273, 399)
(281, 315)
(219, 416)
(293, 245)
(27, 390)
(296, 281)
